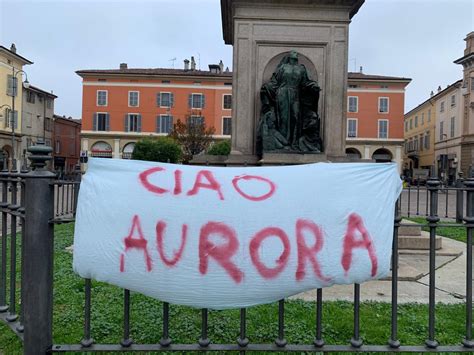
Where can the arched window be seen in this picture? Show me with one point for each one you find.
(101, 150)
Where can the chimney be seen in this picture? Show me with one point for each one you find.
(221, 65)
(439, 88)
(123, 66)
(13, 48)
(360, 70)
(193, 64)
(186, 64)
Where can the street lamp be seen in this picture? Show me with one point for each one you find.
(12, 121)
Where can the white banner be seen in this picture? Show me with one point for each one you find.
(233, 237)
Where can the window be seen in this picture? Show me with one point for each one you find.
(416, 121)
(226, 126)
(164, 124)
(452, 127)
(406, 126)
(441, 107)
(411, 123)
(165, 99)
(11, 117)
(30, 97)
(12, 85)
(472, 84)
(49, 103)
(195, 121)
(429, 115)
(58, 147)
(196, 101)
(384, 86)
(47, 124)
(352, 86)
(383, 104)
(166, 81)
(28, 118)
(420, 142)
(415, 143)
(441, 130)
(406, 146)
(453, 100)
(353, 103)
(133, 99)
(101, 98)
(133, 122)
(351, 128)
(383, 128)
(422, 118)
(427, 140)
(101, 122)
(227, 102)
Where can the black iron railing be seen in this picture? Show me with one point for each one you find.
(32, 202)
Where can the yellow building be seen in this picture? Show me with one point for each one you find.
(11, 93)
(420, 124)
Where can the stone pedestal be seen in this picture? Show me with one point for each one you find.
(262, 32)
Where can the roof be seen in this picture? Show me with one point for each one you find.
(17, 56)
(41, 91)
(68, 119)
(455, 84)
(465, 58)
(361, 76)
(153, 72)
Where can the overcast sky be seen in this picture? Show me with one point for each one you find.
(418, 39)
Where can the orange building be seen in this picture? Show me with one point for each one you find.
(375, 115)
(121, 106)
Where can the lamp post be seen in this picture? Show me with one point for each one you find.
(12, 120)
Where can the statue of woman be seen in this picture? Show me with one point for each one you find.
(289, 118)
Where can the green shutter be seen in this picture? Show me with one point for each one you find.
(125, 123)
(158, 99)
(139, 123)
(94, 122)
(107, 122)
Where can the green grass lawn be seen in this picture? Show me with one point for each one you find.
(146, 321)
(456, 233)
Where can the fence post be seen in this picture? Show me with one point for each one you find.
(459, 198)
(37, 282)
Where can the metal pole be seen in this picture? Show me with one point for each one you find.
(12, 120)
(37, 281)
(459, 198)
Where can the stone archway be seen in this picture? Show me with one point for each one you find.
(353, 153)
(128, 150)
(101, 150)
(382, 155)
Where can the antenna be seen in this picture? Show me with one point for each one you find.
(199, 61)
(172, 60)
(355, 64)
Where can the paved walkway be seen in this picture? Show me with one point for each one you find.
(413, 285)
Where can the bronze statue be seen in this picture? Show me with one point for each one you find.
(289, 120)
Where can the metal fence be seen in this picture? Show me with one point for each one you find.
(32, 202)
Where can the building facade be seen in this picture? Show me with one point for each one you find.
(467, 103)
(67, 144)
(37, 114)
(448, 137)
(375, 106)
(11, 93)
(121, 106)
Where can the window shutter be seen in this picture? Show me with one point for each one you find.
(94, 122)
(158, 99)
(10, 85)
(203, 101)
(171, 100)
(107, 122)
(190, 101)
(158, 124)
(15, 119)
(125, 123)
(139, 123)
